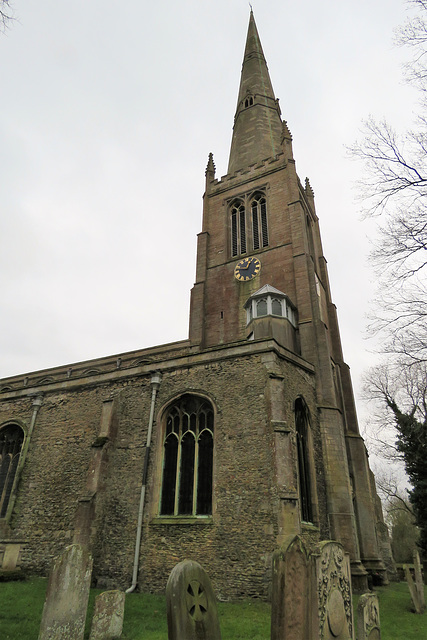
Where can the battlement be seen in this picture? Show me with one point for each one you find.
(273, 163)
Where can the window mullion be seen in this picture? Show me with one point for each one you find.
(178, 475)
(196, 475)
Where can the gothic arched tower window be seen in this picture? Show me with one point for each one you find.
(11, 439)
(188, 458)
(302, 434)
(238, 228)
(259, 220)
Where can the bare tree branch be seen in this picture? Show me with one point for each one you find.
(5, 14)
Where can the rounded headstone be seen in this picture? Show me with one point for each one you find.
(191, 604)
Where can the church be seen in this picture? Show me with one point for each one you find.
(220, 446)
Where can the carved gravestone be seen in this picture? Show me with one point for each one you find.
(332, 613)
(191, 604)
(290, 591)
(64, 611)
(107, 621)
(368, 617)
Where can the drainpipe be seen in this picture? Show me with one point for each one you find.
(37, 403)
(156, 379)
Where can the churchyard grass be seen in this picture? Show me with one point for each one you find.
(21, 605)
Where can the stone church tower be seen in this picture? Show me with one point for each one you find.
(220, 446)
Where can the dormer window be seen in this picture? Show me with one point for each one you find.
(269, 301)
(249, 102)
(271, 315)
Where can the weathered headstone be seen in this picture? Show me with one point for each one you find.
(191, 604)
(311, 595)
(419, 581)
(290, 591)
(11, 557)
(331, 608)
(416, 588)
(67, 595)
(368, 617)
(107, 621)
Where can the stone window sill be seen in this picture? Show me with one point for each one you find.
(309, 526)
(182, 520)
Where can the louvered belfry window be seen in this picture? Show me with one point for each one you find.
(259, 221)
(11, 439)
(238, 228)
(249, 225)
(188, 458)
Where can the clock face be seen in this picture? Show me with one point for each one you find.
(246, 269)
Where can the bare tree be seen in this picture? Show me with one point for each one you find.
(5, 13)
(394, 189)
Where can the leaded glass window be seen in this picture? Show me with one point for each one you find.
(302, 426)
(11, 439)
(261, 307)
(276, 307)
(188, 458)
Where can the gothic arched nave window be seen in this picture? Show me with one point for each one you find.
(11, 439)
(187, 458)
(302, 435)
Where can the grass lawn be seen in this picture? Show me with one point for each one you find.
(21, 605)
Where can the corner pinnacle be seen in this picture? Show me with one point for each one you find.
(210, 169)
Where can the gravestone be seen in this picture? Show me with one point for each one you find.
(11, 557)
(191, 604)
(311, 595)
(64, 611)
(107, 621)
(419, 583)
(290, 591)
(416, 588)
(331, 606)
(368, 617)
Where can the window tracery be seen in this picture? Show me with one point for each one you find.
(251, 231)
(188, 458)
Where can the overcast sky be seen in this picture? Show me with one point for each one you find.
(107, 114)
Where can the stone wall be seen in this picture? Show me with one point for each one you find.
(235, 544)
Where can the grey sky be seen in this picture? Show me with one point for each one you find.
(107, 114)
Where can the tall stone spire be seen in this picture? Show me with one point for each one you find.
(257, 124)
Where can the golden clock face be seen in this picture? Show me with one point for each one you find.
(246, 269)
